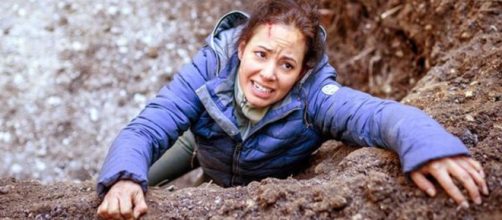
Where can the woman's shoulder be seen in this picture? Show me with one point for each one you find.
(322, 73)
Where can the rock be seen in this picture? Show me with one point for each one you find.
(357, 216)
(152, 52)
(268, 196)
(4, 190)
(376, 190)
(465, 35)
(469, 138)
(337, 202)
(469, 94)
(469, 118)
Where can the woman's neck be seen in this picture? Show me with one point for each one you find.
(250, 112)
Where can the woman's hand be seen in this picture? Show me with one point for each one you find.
(465, 169)
(125, 200)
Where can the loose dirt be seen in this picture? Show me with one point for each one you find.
(444, 57)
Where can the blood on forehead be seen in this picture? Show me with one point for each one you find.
(269, 25)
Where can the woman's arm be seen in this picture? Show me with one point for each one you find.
(356, 117)
(423, 145)
(150, 134)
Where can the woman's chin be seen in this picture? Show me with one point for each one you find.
(258, 103)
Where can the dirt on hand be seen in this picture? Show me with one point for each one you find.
(444, 57)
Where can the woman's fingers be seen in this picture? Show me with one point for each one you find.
(441, 174)
(466, 170)
(125, 206)
(103, 209)
(120, 200)
(476, 165)
(475, 174)
(466, 179)
(423, 183)
(140, 207)
(113, 207)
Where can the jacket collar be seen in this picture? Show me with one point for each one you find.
(224, 36)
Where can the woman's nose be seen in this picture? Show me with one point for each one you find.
(268, 71)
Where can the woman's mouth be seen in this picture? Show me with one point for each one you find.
(260, 90)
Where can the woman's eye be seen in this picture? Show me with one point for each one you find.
(260, 54)
(288, 66)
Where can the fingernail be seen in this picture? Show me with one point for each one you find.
(464, 205)
(430, 192)
(485, 190)
(477, 200)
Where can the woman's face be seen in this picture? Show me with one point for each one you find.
(271, 63)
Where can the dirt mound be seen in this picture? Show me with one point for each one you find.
(383, 46)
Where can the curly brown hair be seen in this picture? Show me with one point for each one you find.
(303, 14)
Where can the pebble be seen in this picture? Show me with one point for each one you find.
(122, 41)
(357, 216)
(469, 94)
(112, 10)
(22, 12)
(153, 52)
(497, 126)
(469, 118)
(338, 202)
(5, 137)
(16, 168)
(399, 53)
(77, 46)
(54, 101)
(465, 35)
(40, 165)
(94, 114)
(171, 188)
(4, 190)
(138, 98)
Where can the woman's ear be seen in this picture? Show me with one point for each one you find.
(240, 49)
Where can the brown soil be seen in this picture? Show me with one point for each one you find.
(443, 56)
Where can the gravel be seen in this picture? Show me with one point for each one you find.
(73, 73)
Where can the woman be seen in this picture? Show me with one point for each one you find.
(258, 100)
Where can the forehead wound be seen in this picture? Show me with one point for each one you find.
(269, 26)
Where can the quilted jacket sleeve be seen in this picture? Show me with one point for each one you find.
(158, 125)
(356, 117)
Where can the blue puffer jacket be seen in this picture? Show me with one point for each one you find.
(200, 98)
